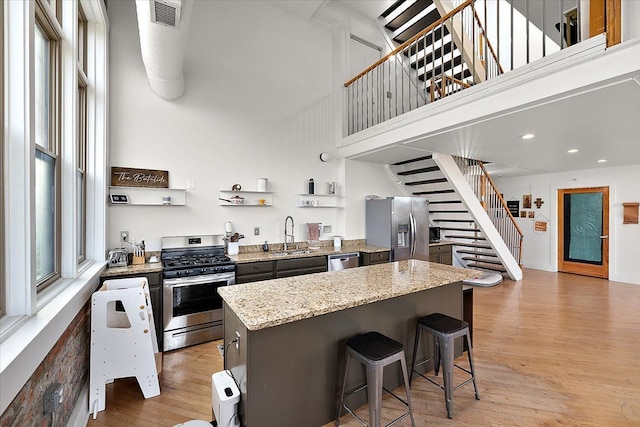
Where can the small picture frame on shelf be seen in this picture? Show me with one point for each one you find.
(119, 199)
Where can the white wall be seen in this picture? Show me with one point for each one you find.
(540, 249)
(630, 19)
(364, 179)
(259, 102)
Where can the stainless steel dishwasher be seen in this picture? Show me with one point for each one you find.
(342, 261)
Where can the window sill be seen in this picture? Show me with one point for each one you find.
(31, 337)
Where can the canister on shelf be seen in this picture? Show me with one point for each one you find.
(262, 184)
(311, 186)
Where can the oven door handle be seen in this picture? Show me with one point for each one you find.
(198, 280)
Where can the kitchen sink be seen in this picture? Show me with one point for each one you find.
(300, 252)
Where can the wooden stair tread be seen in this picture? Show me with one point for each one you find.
(482, 261)
(421, 170)
(465, 251)
(417, 159)
(470, 245)
(451, 220)
(447, 211)
(426, 181)
(475, 230)
(465, 237)
(487, 267)
(443, 202)
(422, 193)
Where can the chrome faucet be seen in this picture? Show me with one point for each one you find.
(285, 231)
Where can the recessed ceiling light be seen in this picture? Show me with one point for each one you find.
(573, 150)
(527, 136)
(602, 160)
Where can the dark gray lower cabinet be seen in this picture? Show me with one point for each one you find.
(254, 271)
(155, 292)
(374, 258)
(441, 254)
(265, 270)
(299, 266)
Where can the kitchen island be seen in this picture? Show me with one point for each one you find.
(292, 332)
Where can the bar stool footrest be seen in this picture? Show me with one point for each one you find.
(364, 386)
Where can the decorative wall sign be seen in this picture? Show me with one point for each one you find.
(538, 202)
(514, 207)
(630, 213)
(526, 201)
(129, 177)
(540, 226)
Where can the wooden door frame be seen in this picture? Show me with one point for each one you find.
(577, 267)
(606, 16)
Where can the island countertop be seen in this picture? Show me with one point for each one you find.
(275, 302)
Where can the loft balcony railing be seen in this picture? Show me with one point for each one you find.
(473, 41)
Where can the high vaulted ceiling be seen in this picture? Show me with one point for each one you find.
(601, 122)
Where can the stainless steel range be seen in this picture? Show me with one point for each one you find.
(194, 267)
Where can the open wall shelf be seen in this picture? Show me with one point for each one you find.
(147, 196)
(319, 201)
(249, 198)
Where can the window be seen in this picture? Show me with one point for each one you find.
(81, 148)
(55, 63)
(47, 161)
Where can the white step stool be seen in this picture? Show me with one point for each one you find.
(123, 343)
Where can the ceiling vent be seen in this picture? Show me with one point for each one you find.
(166, 12)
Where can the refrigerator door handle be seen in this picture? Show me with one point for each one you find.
(412, 221)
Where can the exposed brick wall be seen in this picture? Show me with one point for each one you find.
(66, 363)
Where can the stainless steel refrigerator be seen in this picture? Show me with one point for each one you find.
(399, 223)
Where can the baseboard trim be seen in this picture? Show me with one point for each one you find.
(80, 414)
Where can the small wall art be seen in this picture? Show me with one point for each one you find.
(514, 207)
(538, 202)
(540, 226)
(526, 201)
(523, 214)
(532, 214)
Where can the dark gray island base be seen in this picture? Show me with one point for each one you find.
(292, 342)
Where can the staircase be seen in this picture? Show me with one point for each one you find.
(435, 55)
(463, 221)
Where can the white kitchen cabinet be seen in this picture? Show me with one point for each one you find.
(147, 196)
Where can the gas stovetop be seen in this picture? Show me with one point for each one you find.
(195, 264)
(174, 262)
(194, 256)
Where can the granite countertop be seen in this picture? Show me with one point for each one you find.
(154, 267)
(261, 305)
(323, 251)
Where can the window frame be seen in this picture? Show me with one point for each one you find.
(47, 20)
(82, 137)
(2, 182)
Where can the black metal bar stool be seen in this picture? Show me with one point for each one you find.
(444, 330)
(374, 351)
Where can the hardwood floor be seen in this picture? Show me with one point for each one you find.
(551, 350)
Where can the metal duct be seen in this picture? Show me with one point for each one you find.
(164, 27)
